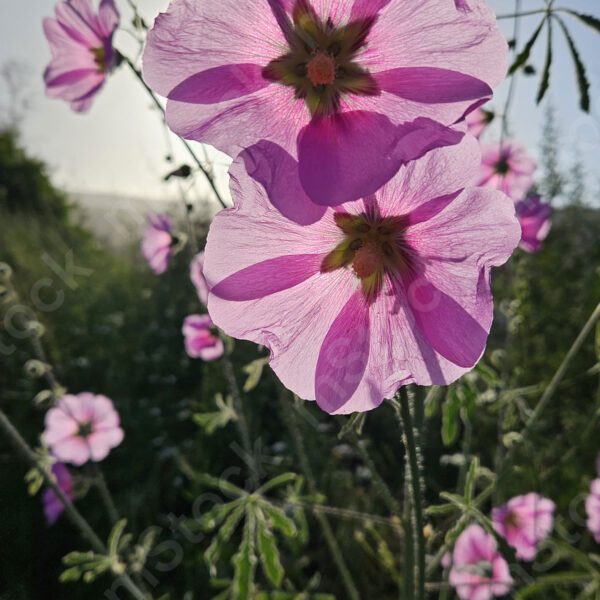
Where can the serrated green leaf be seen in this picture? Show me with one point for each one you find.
(589, 20)
(276, 482)
(254, 370)
(216, 514)
(115, 536)
(545, 80)
(213, 552)
(582, 81)
(244, 562)
(269, 554)
(279, 520)
(523, 56)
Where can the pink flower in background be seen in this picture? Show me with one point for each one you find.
(157, 245)
(592, 505)
(524, 522)
(197, 277)
(53, 507)
(478, 570)
(507, 167)
(199, 339)
(388, 290)
(81, 428)
(328, 81)
(535, 218)
(82, 51)
(478, 120)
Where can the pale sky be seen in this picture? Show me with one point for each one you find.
(120, 145)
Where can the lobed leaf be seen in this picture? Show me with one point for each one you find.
(523, 56)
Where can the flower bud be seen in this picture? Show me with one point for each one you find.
(36, 368)
(5, 271)
(35, 329)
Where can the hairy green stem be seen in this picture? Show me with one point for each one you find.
(71, 512)
(289, 414)
(100, 482)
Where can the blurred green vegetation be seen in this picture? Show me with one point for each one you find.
(118, 333)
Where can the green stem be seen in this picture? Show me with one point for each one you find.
(414, 484)
(70, 511)
(109, 504)
(289, 413)
(209, 177)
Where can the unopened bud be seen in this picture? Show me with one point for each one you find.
(5, 271)
(36, 368)
(35, 329)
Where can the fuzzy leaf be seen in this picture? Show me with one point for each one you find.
(225, 532)
(523, 56)
(254, 370)
(450, 414)
(471, 478)
(269, 554)
(115, 536)
(545, 80)
(276, 482)
(72, 574)
(244, 562)
(582, 81)
(279, 519)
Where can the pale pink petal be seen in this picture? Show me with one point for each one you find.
(102, 442)
(74, 450)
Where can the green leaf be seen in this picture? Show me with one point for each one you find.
(279, 519)
(216, 514)
(545, 80)
(269, 554)
(582, 81)
(471, 478)
(72, 574)
(254, 370)
(244, 562)
(216, 482)
(115, 536)
(450, 413)
(523, 56)
(592, 22)
(78, 558)
(213, 552)
(598, 340)
(211, 421)
(276, 482)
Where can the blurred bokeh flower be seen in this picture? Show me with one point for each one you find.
(535, 218)
(478, 120)
(328, 81)
(200, 342)
(53, 507)
(478, 570)
(82, 50)
(198, 279)
(507, 167)
(157, 244)
(393, 291)
(524, 522)
(82, 428)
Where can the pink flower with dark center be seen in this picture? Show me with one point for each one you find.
(507, 167)
(82, 50)
(158, 242)
(197, 277)
(535, 218)
(478, 570)
(53, 507)
(81, 428)
(200, 341)
(388, 290)
(524, 522)
(478, 120)
(328, 81)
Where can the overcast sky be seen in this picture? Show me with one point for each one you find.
(119, 147)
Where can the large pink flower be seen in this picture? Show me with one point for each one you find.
(328, 81)
(534, 216)
(197, 277)
(53, 507)
(524, 522)
(478, 570)
(391, 289)
(81, 428)
(158, 242)
(507, 167)
(82, 51)
(200, 342)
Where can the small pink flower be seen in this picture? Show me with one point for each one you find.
(478, 570)
(507, 167)
(197, 277)
(199, 339)
(157, 245)
(592, 507)
(364, 298)
(524, 522)
(81, 428)
(53, 507)
(534, 216)
(328, 81)
(478, 120)
(82, 51)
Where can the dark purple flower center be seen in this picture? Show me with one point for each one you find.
(502, 167)
(512, 520)
(100, 59)
(372, 246)
(85, 429)
(320, 64)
